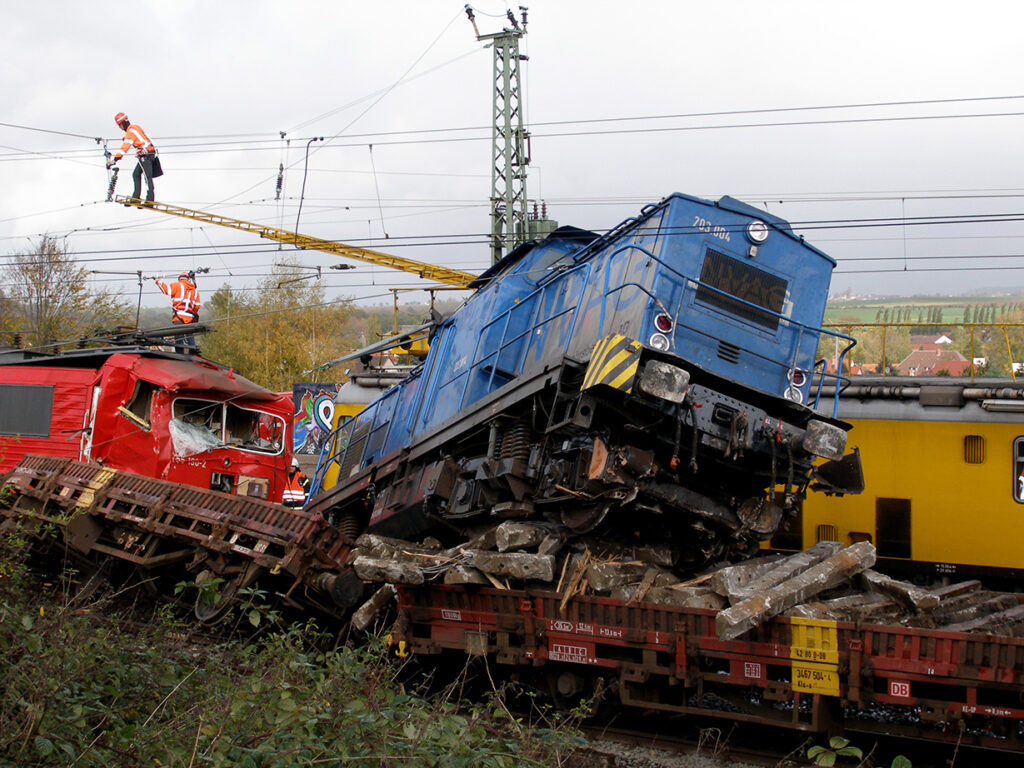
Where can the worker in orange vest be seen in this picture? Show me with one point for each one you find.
(295, 488)
(145, 153)
(184, 308)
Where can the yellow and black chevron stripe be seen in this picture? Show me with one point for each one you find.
(613, 362)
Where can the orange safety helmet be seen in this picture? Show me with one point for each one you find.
(121, 117)
(184, 276)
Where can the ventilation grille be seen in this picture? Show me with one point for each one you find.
(828, 533)
(728, 352)
(354, 450)
(974, 449)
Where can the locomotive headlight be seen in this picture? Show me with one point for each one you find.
(796, 377)
(658, 341)
(757, 231)
(794, 394)
(663, 322)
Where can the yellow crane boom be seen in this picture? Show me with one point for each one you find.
(426, 271)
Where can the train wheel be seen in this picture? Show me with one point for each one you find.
(583, 519)
(214, 596)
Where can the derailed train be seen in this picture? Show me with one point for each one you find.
(651, 382)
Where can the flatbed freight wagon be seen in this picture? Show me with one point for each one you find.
(803, 674)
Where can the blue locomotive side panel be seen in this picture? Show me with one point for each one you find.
(590, 372)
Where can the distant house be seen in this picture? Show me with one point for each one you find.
(851, 369)
(931, 362)
(920, 341)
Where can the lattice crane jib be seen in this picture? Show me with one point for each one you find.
(426, 271)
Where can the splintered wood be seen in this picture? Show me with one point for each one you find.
(827, 581)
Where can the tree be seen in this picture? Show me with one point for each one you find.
(277, 334)
(48, 298)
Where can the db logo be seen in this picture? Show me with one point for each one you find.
(562, 626)
(899, 688)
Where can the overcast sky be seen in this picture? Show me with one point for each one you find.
(214, 84)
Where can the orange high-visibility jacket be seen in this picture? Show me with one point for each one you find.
(294, 492)
(135, 137)
(184, 299)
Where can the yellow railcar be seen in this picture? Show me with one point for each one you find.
(943, 463)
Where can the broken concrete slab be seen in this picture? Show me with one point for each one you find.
(860, 607)
(518, 565)
(604, 577)
(390, 571)
(463, 574)
(552, 544)
(384, 548)
(687, 597)
(1008, 622)
(906, 594)
(652, 554)
(956, 589)
(369, 610)
(731, 578)
(843, 565)
(514, 536)
(485, 539)
(985, 604)
(784, 569)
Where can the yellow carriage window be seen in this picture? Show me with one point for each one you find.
(1018, 470)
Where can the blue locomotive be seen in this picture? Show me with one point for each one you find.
(653, 382)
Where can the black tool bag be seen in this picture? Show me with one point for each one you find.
(158, 171)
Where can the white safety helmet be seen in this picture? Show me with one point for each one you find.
(295, 462)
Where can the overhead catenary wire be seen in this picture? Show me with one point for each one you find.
(272, 139)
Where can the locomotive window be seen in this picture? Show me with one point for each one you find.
(25, 409)
(199, 413)
(252, 430)
(892, 527)
(745, 282)
(137, 409)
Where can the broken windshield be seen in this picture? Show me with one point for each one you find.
(212, 424)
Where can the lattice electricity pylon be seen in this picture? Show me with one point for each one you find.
(509, 140)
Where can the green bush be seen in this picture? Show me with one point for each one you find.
(91, 688)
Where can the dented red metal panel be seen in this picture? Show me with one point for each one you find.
(94, 398)
(192, 375)
(72, 389)
(122, 443)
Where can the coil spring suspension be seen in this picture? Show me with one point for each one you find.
(348, 524)
(515, 442)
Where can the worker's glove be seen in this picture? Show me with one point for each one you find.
(110, 164)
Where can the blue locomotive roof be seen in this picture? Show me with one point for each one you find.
(568, 233)
(738, 206)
